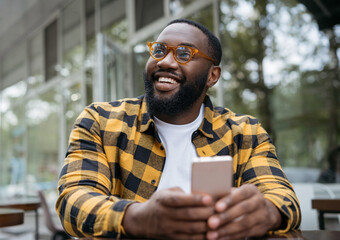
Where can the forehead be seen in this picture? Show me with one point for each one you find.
(183, 33)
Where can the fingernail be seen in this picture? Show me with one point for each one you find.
(221, 206)
(214, 222)
(206, 200)
(212, 235)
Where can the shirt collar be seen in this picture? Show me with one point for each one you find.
(206, 125)
(146, 119)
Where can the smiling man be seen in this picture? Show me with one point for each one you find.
(127, 169)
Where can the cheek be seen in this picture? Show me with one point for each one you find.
(195, 72)
(150, 65)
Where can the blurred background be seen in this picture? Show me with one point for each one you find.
(280, 64)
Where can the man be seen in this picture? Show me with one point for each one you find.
(127, 169)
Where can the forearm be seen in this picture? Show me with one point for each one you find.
(277, 189)
(86, 212)
(287, 203)
(264, 171)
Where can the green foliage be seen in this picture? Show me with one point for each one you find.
(277, 66)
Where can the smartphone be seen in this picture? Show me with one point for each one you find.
(212, 175)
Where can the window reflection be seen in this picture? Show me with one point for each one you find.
(12, 134)
(35, 65)
(140, 57)
(43, 119)
(72, 50)
(177, 6)
(73, 106)
(147, 11)
(51, 47)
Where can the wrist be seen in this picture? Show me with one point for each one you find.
(275, 215)
(130, 220)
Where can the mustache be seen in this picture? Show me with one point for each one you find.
(167, 71)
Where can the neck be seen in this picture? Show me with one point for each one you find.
(184, 117)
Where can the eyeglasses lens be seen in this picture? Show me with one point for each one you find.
(158, 50)
(182, 53)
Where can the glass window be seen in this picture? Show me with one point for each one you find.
(114, 71)
(112, 13)
(43, 121)
(115, 29)
(177, 6)
(14, 66)
(118, 32)
(73, 106)
(140, 57)
(90, 51)
(35, 54)
(72, 51)
(148, 11)
(114, 58)
(13, 153)
(51, 54)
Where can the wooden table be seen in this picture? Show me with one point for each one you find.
(11, 217)
(325, 206)
(25, 204)
(292, 235)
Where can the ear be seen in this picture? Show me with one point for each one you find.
(214, 75)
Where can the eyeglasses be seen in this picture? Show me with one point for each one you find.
(182, 54)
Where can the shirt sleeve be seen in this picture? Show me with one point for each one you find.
(264, 171)
(85, 204)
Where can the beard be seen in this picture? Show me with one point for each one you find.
(181, 101)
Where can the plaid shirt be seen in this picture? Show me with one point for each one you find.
(116, 157)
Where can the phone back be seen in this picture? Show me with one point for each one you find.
(212, 175)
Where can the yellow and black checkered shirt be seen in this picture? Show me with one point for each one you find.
(115, 157)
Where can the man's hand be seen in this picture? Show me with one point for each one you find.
(170, 213)
(243, 213)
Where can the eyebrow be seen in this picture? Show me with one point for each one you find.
(183, 44)
(187, 44)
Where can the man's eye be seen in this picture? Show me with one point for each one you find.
(158, 52)
(183, 53)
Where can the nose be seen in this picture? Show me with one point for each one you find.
(168, 62)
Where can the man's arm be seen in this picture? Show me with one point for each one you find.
(264, 201)
(169, 213)
(243, 213)
(86, 205)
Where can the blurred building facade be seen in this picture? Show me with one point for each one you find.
(61, 55)
(58, 57)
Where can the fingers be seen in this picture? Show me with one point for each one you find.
(236, 195)
(182, 230)
(192, 213)
(177, 198)
(244, 212)
(192, 227)
(235, 211)
(253, 224)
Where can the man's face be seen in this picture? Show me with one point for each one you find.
(170, 87)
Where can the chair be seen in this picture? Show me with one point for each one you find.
(309, 216)
(57, 231)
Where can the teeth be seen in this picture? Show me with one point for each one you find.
(166, 80)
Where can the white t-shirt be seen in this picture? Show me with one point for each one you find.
(179, 152)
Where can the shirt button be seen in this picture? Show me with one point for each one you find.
(153, 181)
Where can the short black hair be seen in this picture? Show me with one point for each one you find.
(214, 45)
